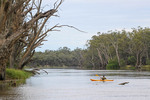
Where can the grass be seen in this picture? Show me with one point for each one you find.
(128, 67)
(17, 74)
(146, 67)
(14, 78)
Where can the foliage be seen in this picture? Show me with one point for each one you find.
(146, 68)
(62, 57)
(148, 61)
(128, 67)
(122, 63)
(131, 60)
(128, 48)
(112, 64)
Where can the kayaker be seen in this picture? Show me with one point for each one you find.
(103, 78)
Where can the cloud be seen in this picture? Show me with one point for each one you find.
(95, 16)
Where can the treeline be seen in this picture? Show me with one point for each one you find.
(61, 57)
(116, 49)
(110, 50)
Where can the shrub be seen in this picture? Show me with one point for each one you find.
(122, 63)
(128, 67)
(147, 61)
(112, 64)
(131, 60)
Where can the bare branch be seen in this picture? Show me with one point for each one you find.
(71, 27)
(27, 11)
(58, 4)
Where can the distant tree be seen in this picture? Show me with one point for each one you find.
(120, 45)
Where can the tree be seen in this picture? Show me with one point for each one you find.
(140, 42)
(114, 40)
(16, 28)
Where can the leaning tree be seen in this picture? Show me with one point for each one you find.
(22, 30)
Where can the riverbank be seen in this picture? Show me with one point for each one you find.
(14, 78)
(143, 68)
(128, 67)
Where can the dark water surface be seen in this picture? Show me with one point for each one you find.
(72, 84)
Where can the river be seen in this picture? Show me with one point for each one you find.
(74, 84)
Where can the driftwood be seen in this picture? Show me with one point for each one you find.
(123, 83)
(35, 71)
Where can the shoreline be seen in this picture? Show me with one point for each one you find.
(14, 78)
(128, 67)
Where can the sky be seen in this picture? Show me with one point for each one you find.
(93, 16)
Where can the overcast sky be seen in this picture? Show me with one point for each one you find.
(94, 16)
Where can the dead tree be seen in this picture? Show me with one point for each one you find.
(16, 28)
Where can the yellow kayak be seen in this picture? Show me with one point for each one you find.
(100, 80)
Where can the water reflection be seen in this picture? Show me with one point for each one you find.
(71, 84)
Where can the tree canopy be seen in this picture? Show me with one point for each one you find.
(110, 50)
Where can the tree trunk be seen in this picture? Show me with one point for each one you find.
(2, 70)
(101, 59)
(139, 66)
(117, 54)
(81, 59)
(4, 55)
(137, 60)
(25, 60)
(12, 58)
(92, 62)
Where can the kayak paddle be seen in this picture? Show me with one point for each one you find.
(97, 75)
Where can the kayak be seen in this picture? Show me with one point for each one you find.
(100, 80)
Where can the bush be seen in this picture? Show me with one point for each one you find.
(131, 60)
(17, 74)
(112, 64)
(146, 68)
(147, 61)
(128, 67)
(122, 63)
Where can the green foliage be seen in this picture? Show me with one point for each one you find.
(112, 64)
(125, 45)
(148, 61)
(131, 60)
(17, 74)
(122, 63)
(146, 68)
(61, 57)
(128, 67)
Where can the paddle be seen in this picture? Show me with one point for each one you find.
(98, 75)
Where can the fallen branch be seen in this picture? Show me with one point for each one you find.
(35, 71)
(123, 83)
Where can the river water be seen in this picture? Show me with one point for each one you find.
(73, 84)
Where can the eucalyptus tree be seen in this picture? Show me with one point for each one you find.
(92, 51)
(114, 37)
(21, 32)
(100, 48)
(140, 42)
(78, 57)
(110, 45)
